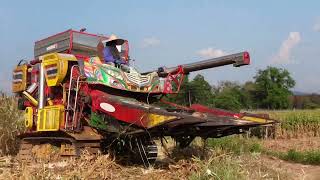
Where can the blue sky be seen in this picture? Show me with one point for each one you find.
(277, 33)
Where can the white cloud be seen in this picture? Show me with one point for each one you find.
(284, 54)
(316, 26)
(149, 42)
(211, 52)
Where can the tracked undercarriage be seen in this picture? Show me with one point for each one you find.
(43, 147)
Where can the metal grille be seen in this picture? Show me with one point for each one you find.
(41, 120)
(49, 118)
(138, 79)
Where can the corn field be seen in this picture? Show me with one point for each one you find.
(296, 123)
(11, 122)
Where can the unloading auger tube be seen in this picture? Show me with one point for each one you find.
(238, 59)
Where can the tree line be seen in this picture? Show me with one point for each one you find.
(270, 89)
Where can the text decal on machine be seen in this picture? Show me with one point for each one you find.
(53, 46)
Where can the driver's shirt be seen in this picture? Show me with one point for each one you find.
(107, 55)
(111, 54)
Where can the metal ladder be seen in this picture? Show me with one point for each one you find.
(72, 107)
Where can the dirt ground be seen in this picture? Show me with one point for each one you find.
(104, 167)
(295, 170)
(301, 144)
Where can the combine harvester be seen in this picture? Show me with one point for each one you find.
(75, 99)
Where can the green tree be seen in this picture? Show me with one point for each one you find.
(273, 88)
(230, 95)
(191, 92)
(248, 90)
(200, 91)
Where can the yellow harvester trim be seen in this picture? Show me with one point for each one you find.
(50, 102)
(19, 79)
(28, 117)
(156, 119)
(56, 67)
(30, 98)
(50, 117)
(254, 119)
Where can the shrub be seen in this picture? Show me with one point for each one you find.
(306, 157)
(11, 122)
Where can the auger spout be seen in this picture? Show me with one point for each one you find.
(238, 59)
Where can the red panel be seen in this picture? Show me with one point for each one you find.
(129, 114)
(218, 112)
(246, 57)
(71, 42)
(88, 33)
(79, 56)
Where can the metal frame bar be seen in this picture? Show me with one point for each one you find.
(75, 101)
(68, 101)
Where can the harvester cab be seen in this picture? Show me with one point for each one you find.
(77, 97)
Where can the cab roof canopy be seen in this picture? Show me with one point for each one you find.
(70, 41)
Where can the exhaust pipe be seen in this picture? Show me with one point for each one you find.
(42, 82)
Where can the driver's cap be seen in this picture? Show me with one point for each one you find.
(113, 38)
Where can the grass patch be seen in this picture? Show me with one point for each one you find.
(238, 145)
(305, 157)
(235, 144)
(219, 167)
(231, 166)
(232, 157)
